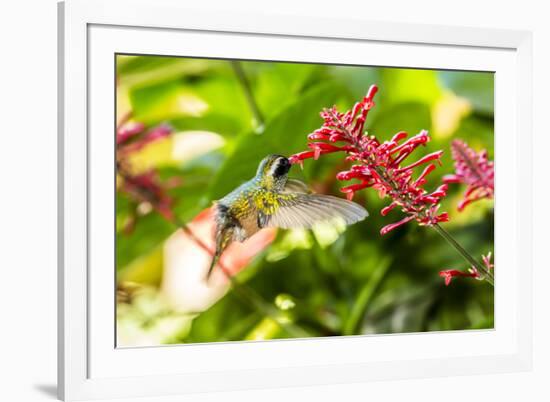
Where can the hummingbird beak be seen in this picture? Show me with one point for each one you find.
(212, 265)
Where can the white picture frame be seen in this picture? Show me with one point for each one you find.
(89, 365)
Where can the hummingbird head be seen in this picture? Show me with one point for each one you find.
(273, 169)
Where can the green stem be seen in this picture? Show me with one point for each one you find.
(488, 275)
(245, 83)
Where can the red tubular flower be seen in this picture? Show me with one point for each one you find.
(127, 131)
(449, 274)
(473, 169)
(378, 164)
(143, 187)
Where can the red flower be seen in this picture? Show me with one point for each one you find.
(144, 187)
(474, 170)
(129, 131)
(379, 164)
(449, 274)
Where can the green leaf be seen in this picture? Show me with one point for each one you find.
(278, 84)
(479, 133)
(223, 124)
(477, 87)
(158, 102)
(147, 70)
(410, 117)
(145, 269)
(225, 96)
(178, 100)
(148, 232)
(228, 319)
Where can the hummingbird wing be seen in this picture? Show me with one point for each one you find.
(296, 186)
(303, 210)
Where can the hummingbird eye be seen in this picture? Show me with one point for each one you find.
(283, 166)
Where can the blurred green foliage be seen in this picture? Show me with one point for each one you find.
(356, 283)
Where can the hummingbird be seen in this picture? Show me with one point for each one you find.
(272, 199)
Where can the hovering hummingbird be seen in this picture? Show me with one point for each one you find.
(272, 199)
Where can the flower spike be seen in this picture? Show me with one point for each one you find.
(378, 164)
(473, 169)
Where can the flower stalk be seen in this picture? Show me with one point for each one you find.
(473, 272)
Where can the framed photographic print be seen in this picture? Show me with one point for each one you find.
(246, 199)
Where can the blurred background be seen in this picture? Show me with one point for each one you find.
(205, 125)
